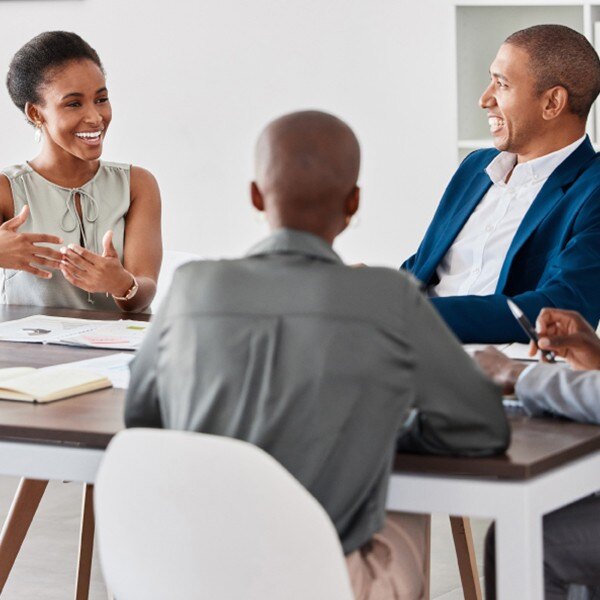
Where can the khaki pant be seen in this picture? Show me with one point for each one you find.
(394, 565)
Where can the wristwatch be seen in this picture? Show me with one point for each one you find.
(131, 292)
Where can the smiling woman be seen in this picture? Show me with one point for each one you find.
(99, 221)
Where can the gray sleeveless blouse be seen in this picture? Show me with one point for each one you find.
(104, 203)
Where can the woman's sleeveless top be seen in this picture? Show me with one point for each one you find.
(104, 203)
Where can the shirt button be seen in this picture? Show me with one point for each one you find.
(489, 228)
(476, 270)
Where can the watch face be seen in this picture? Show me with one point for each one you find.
(131, 292)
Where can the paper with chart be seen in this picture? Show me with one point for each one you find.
(112, 335)
(43, 329)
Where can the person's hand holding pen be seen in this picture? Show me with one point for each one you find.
(568, 335)
(521, 317)
(565, 332)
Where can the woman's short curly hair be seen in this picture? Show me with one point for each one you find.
(34, 63)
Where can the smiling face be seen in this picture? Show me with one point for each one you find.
(75, 111)
(514, 107)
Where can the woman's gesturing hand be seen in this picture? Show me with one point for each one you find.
(94, 273)
(20, 250)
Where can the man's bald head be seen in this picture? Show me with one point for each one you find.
(307, 166)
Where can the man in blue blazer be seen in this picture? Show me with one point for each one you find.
(522, 220)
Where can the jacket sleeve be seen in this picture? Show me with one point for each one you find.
(142, 407)
(409, 263)
(561, 391)
(571, 281)
(459, 410)
(444, 207)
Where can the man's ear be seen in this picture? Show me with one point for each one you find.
(256, 196)
(555, 101)
(353, 201)
(33, 114)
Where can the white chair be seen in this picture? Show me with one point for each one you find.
(192, 516)
(172, 260)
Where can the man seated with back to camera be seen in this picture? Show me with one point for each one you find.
(572, 533)
(323, 366)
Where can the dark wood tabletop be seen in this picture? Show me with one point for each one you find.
(537, 446)
(91, 420)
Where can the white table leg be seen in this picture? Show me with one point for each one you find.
(519, 552)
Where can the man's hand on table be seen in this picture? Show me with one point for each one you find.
(502, 370)
(569, 335)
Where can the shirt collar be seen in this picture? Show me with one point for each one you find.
(292, 241)
(531, 171)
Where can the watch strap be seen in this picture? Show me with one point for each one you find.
(131, 292)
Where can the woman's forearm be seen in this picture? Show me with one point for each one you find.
(143, 297)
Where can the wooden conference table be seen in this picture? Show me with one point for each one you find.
(549, 464)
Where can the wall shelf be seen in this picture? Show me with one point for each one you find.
(481, 27)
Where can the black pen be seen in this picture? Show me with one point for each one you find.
(529, 330)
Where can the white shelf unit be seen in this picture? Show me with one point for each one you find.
(481, 27)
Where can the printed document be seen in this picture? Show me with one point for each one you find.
(42, 329)
(114, 367)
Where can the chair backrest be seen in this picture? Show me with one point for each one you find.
(193, 516)
(172, 260)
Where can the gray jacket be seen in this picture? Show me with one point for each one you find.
(319, 364)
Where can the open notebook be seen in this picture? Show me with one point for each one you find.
(27, 384)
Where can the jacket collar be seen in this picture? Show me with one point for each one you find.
(551, 193)
(566, 173)
(454, 222)
(534, 170)
(292, 241)
(552, 190)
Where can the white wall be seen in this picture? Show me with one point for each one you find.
(193, 82)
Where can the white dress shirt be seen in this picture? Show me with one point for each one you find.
(473, 262)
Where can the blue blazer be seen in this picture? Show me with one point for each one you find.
(553, 260)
